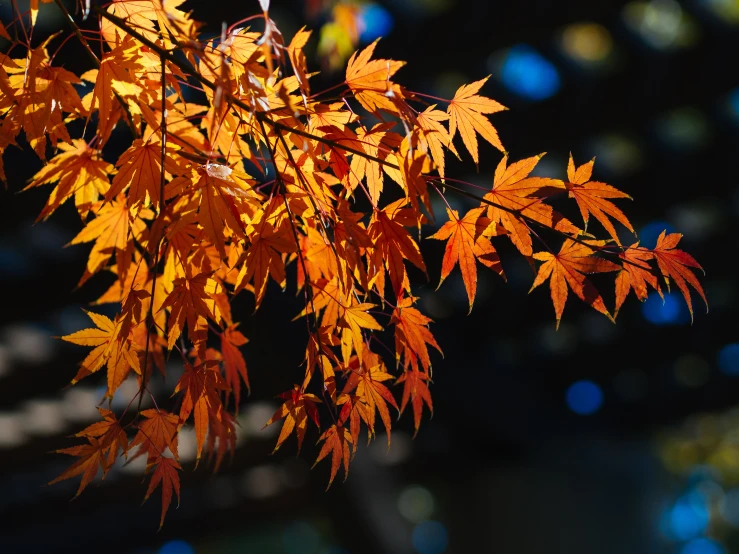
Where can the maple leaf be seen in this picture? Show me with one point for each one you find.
(393, 243)
(157, 433)
(221, 438)
(465, 245)
(109, 433)
(188, 301)
(139, 168)
(270, 238)
(165, 473)
(233, 361)
(370, 80)
(353, 320)
(296, 410)
(371, 391)
(518, 196)
(116, 76)
(91, 457)
(220, 198)
(467, 112)
(412, 335)
(80, 172)
(437, 137)
(417, 392)
(105, 439)
(675, 264)
(110, 231)
(635, 274)
(337, 440)
(593, 197)
(109, 346)
(568, 269)
(200, 385)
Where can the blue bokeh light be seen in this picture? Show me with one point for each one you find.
(733, 101)
(377, 22)
(671, 311)
(430, 537)
(584, 397)
(176, 547)
(689, 517)
(703, 546)
(649, 234)
(528, 74)
(300, 537)
(728, 359)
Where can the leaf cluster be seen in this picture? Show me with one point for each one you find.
(263, 180)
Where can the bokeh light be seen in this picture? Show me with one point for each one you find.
(729, 507)
(176, 547)
(732, 104)
(724, 10)
(617, 154)
(376, 22)
(685, 128)
(661, 24)
(588, 44)
(688, 517)
(649, 234)
(584, 397)
(692, 371)
(728, 359)
(668, 311)
(301, 538)
(526, 73)
(416, 503)
(430, 537)
(703, 546)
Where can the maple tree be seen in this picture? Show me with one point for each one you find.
(264, 179)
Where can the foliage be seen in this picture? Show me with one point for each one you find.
(264, 180)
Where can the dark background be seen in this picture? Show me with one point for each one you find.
(638, 456)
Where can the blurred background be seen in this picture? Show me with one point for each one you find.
(594, 438)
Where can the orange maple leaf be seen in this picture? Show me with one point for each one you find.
(370, 80)
(465, 245)
(370, 390)
(189, 301)
(140, 168)
(201, 385)
(92, 456)
(675, 264)
(80, 171)
(166, 475)
(415, 390)
(467, 112)
(635, 274)
(157, 433)
(296, 410)
(353, 319)
(568, 268)
(412, 334)
(110, 231)
(233, 361)
(116, 75)
(109, 346)
(520, 197)
(436, 136)
(337, 440)
(393, 244)
(105, 439)
(593, 197)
